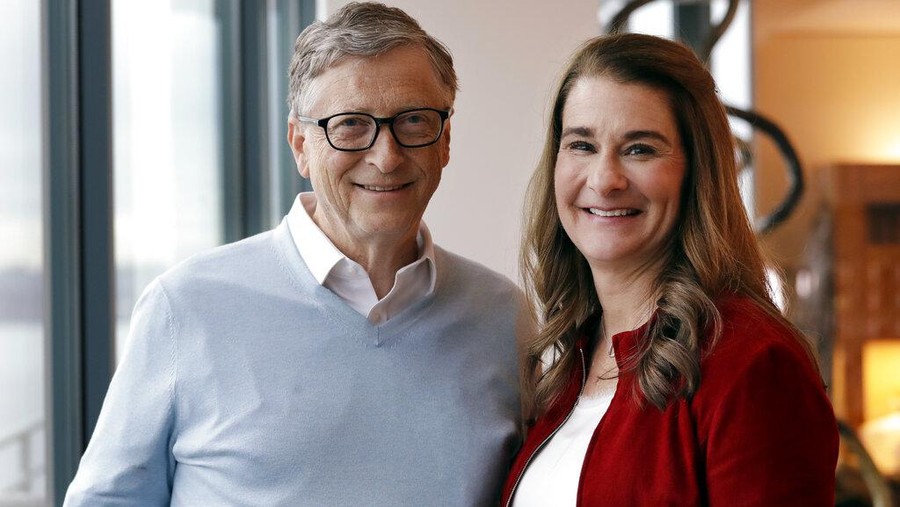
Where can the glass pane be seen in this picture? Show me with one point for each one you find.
(23, 439)
(167, 149)
(731, 68)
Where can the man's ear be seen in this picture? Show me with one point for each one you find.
(296, 138)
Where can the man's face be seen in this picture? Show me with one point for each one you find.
(376, 196)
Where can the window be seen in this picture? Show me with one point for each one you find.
(132, 135)
(23, 436)
(167, 125)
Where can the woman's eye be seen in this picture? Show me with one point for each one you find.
(580, 146)
(640, 149)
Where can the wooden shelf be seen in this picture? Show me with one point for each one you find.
(864, 208)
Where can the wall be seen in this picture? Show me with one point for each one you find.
(827, 71)
(508, 55)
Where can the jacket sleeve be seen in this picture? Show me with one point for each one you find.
(771, 435)
(129, 460)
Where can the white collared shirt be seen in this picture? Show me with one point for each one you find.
(346, 278)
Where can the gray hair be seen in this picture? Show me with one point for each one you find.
(360, 29)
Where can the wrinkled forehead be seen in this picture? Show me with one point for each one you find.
(401, 77)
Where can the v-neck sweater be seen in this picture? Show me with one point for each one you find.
(245, 382)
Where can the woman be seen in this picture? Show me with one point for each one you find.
(663, 374)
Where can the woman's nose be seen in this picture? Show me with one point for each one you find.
(607, 175)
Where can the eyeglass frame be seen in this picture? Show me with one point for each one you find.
(389, 121)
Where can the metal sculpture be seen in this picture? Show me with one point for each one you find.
(759, 122)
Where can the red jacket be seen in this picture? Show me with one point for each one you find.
(759, 430)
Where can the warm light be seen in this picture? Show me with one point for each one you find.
(881, 143)
(881, 399)
(875, 146)
(881, 378)
(893, 149)
(882, 439)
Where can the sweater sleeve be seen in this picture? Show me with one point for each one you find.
(129, 460)
(771, 435)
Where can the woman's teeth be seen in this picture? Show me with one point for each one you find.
(612, 213)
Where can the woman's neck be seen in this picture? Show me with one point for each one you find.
(628, 299)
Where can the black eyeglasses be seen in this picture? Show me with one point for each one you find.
(415, 128)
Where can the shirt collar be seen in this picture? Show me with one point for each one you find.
(317, 250)
(320, 254)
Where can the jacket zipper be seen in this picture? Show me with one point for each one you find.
(512, 492)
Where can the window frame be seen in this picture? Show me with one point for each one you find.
(78, 207)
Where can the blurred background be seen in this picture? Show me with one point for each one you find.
(134, 134)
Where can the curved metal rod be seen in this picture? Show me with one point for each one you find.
(744, 153)
(875, 482)
(716, 32)
(617, 23)
(780, 212)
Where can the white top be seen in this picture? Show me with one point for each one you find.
(346, 278)
(553, 474)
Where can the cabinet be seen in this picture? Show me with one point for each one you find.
(863, 207)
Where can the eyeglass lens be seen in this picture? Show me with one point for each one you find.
(352, 131)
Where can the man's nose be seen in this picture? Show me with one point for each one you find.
(385, 154)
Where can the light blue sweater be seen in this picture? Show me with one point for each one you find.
(247, 383)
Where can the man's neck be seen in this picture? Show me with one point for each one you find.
(382, 259)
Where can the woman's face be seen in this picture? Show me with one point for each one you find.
(619, 173)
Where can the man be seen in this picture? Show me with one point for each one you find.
(341, 358)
